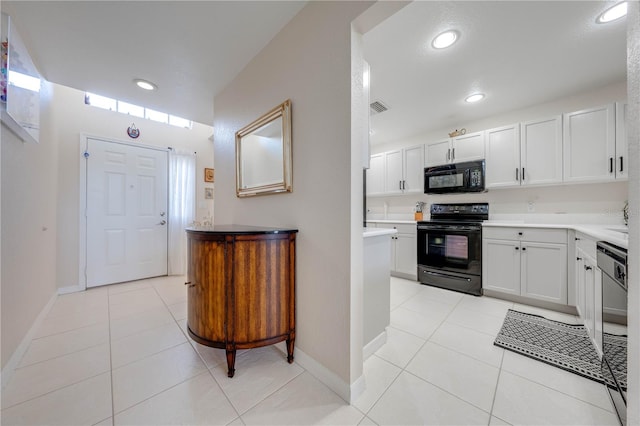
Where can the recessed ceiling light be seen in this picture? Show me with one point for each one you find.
(475, 97)
(144, 84)
(445, 39)
(613, 13)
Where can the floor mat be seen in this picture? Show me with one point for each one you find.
(565, 346)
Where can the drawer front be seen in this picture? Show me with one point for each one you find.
(496, 233)
(586, 244)
(402, 228)
(538, 235)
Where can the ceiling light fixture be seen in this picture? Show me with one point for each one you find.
(445, 39)
(144, 84)
(613, 13)
(474, 98)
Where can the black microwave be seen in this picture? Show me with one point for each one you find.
(455, 178)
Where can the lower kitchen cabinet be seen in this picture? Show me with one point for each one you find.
(404, 249)
(588, 287)
(529, 262)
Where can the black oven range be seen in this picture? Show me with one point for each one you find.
(450, 247)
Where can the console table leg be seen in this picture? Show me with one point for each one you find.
(231, 362)
(290, 349)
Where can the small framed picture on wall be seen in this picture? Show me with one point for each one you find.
(208, 193)
(208, 175)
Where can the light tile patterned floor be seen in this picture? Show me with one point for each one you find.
(119, 355)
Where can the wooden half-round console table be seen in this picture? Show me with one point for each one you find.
(241, 287)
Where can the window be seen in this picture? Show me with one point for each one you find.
(131, 109)
(156, 115)
(24, 81)
(135, 110)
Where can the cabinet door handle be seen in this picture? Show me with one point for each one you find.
(517, 174)
(621, 166)
(448, 154)
(400, 185)
(520, 233)
(188, 284)
(523, 174)
(588, 268)
(577, 239)
(453, 154)
(404, 184)
(610, 164)
(578, 258)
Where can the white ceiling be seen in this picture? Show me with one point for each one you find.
(190, 49)
(518, 53)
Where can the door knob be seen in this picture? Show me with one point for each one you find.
(163, 222)
(162, 214)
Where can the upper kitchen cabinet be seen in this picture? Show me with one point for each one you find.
(541, 151)
(590, 144)
(503, 156)
(396, 172)
(461, 148)
(375, 175)
(622, 148)
(529, 153)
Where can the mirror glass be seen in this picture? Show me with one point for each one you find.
(263, 154)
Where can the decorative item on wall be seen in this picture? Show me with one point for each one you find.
(133, 131)
(457, 132)
(208, 193)
(208, 175)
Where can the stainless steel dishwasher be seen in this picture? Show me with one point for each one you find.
(612, 260)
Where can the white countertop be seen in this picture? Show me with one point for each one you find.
(377, 232)
(409, 222)
(609, 233)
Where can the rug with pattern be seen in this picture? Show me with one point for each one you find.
(565, 346)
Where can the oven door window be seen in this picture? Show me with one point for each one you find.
(457, 251)
(447, 249)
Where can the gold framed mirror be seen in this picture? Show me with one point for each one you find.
(263, 154)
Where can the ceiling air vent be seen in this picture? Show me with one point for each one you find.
(376, 107)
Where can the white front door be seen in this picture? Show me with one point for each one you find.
(126, 212)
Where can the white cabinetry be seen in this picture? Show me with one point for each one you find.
(462, 148)
(375, 175)
(404, 249)
(396, 172)
(404, 169)
(588, 287)
(622, 147)
(590, 145)
(524, 154)
(530, 262)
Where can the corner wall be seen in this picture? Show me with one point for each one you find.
(309, 62)
(29, 229)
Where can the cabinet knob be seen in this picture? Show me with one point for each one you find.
(577, 239)
(517, 248)
(524, 249)
(588, 268)
(520, 233)
(578, 258)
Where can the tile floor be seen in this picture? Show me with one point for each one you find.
(120, 355)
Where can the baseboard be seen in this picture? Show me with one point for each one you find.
(71, 289)
(345, 391)
(375, 344)
(14, 361)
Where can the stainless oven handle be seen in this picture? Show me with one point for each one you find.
(438, 274)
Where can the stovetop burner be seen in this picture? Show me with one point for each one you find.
(459, 212)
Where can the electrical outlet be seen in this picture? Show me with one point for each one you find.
(531, 207)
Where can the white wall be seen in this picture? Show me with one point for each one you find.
(633, 129)
(29, 228)
(73, 117)
(308, 62)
